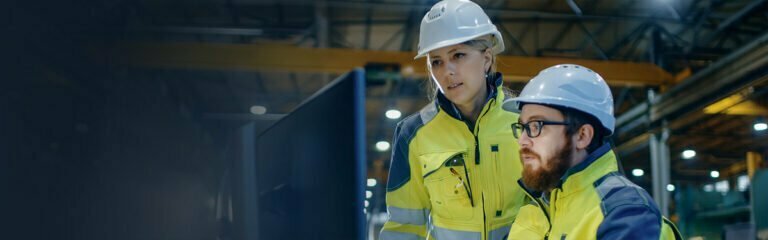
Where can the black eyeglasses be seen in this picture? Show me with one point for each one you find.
(532, 128)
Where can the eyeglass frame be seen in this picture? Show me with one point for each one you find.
(527, 128)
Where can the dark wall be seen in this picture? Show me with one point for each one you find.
(89, 150)
(118, 161)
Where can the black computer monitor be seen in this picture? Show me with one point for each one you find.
(309, 169)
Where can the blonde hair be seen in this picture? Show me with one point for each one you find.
(482, 43)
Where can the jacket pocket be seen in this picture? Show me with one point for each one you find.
(445, 178)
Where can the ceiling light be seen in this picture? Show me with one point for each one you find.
(688, 154)
(371, 182)
(258, 110)
(760, 126)
(382, 146)
(393, 114)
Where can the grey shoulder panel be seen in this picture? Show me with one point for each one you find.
(400, 169)
(427, 113)
(629, 211)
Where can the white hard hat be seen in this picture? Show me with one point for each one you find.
(451, 22)
(571, 86)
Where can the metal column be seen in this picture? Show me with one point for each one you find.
(660, 169)
(665, 169)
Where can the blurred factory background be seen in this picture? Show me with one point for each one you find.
(121, 118)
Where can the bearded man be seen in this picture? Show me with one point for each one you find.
(570, 172)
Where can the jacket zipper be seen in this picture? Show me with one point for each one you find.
(487, 108)
(541, 206)
(553, 204)
(485, 225)
(477, 158)
(477, 130)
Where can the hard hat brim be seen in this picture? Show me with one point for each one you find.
(607, 120)
(496, 49)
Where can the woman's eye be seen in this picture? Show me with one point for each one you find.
(458, 55)
(436, 63)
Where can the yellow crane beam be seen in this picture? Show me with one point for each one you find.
(737, 104)
(282, 57)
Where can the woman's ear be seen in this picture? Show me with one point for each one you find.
(488, 56)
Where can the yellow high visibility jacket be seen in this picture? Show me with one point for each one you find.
(592, 201)
(450, 180)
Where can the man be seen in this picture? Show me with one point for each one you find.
(569, 170)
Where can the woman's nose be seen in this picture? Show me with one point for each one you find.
(450, 67)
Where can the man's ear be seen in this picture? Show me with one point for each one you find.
(584, 136)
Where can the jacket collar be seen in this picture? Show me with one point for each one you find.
(597, 164)
(591, 158)
(493, 85)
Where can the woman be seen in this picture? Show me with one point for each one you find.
(455, 163)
